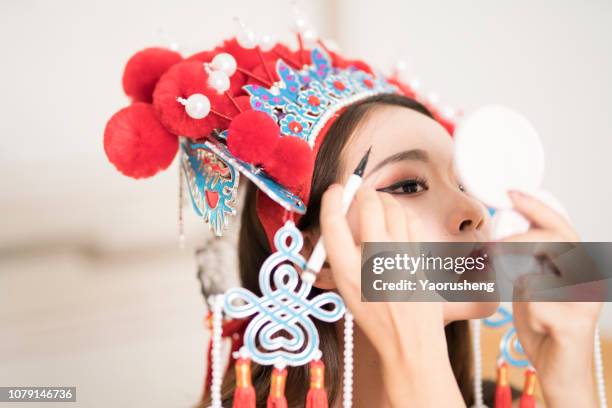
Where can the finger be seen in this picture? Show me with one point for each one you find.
(372, 222)
(534, 235)
(541, 214)
(395, 218)
(337, 236)
(543, 243)
(342, 253)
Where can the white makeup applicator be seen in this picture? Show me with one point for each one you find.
(497, 150)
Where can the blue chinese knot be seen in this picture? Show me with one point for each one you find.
(282, 331)
(510, 348)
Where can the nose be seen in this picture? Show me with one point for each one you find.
(467, 214)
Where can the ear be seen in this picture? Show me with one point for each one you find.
(325, 279)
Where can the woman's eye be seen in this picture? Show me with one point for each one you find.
(412, 186)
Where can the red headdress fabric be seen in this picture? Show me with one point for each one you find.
(274, 109)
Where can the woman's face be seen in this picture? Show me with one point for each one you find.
(412, 158)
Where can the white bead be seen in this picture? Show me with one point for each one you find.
(197, 106)
(415, 84)
(300, 23)
(247, 39)
(347, 398)
(219, 81)
(599, 371)
(224, 62)
(448, 112)
(433, 98)
(401, 65)
(309, 36)
(267, 42)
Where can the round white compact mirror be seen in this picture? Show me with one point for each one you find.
(496, 150)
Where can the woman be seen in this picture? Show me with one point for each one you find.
(406, 354)
(411, 194)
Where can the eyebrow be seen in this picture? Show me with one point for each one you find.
(414, 154)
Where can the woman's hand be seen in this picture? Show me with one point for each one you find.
(557, 337)
(409, 337)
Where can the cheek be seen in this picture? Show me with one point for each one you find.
(468, 310)
(427, 209)
(431, 215)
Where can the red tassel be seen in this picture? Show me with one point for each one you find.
(232, 328)
(208, 374)
(277, 399)
(244, 395)
(503, 394)
(317, 397)
(527, 399)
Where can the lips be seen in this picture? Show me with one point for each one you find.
(481, 252)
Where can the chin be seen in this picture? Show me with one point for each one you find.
(468, 310)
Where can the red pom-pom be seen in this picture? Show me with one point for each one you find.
(283, 52)
(183, 80)
(246, 59)
(136, 143)
(291, 163)
(237, 81)
(244, 102)
(260, 72)
(301, 58)
(252, 136)
(144, 69)
(279, 51)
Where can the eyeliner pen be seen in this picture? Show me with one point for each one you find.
(317, 258)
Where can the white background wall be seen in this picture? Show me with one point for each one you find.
(62, 64)
(66, 216)
(549, 59)
(61, 81)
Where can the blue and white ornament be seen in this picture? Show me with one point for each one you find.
(212, 184)
(281, 331)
